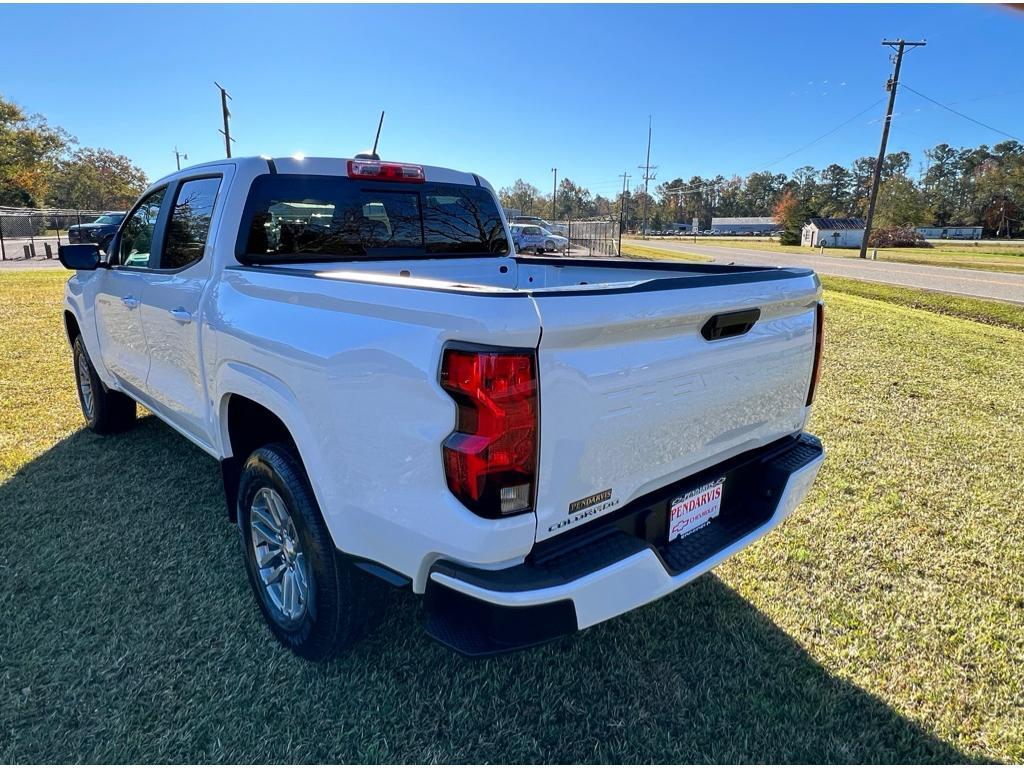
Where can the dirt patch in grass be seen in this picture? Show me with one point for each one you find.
(882, 623)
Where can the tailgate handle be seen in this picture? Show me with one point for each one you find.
(730, 324)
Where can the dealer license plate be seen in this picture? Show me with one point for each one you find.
(696, 509)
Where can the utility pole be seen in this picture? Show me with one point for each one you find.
(224, 96)
(622, 208)
(647, 168)
(899, 46)
(1002, 213)
(554, 192)
(178, 156)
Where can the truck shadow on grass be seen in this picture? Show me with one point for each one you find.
(128, 633)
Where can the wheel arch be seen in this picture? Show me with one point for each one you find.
(255, 409)
(71, 326)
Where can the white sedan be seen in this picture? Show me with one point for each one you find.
(528, 237)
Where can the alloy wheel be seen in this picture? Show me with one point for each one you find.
(281, 564)
(85, 388)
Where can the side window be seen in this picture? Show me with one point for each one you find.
(189, 224)
(136, 238)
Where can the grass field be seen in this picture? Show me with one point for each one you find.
(990, 256)
(884, 622)
(633, 248)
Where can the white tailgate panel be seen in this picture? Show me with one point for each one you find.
(634, 398)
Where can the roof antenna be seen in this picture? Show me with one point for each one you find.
(372, 154)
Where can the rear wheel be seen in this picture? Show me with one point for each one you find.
(315, 602)
(105, 410)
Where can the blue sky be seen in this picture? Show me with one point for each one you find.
(510, 91)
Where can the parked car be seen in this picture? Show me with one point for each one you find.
(558, 229)
(527, 237)
(398, 400)
(98, 231)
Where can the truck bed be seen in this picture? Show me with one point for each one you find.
(636, 393)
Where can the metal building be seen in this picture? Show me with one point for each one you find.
(743, 225)
(950, 233)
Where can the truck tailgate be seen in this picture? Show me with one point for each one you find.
(633, 397)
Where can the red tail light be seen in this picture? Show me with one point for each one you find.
(819, 345)
(490, 458)
(378, 171)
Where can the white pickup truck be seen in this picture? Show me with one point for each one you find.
(396, 397)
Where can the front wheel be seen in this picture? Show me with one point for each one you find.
(315, 602)
(549, 245)
(105, 410)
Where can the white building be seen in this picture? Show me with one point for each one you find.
(950, 233)
(833, 233)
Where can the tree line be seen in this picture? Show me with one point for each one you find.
(970, 186)
(43, 166)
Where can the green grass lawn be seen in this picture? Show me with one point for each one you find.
(989, 256)
(883, 622)
(634, 248)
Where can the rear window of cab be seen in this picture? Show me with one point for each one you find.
(292, 218)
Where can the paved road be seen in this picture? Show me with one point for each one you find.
(1003, 286)
(14, 251)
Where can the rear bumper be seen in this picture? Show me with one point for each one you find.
(602, 570)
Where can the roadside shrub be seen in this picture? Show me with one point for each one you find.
(897, 237)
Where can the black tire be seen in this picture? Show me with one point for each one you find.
(549, 245)
(341, 600)
(105, 411)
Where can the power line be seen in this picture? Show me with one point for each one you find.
(824, 135)
(959, 114)
(711, 184)
(697, 187)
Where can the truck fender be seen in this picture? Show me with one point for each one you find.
(236, 378)
(86, 323)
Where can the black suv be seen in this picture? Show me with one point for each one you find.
(99, 231)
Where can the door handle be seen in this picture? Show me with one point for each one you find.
(182, 315)
(130, 301)
(730, 324)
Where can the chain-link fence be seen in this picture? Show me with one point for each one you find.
(31, 233)
(597, 237)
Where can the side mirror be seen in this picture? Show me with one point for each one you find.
(85, 256)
